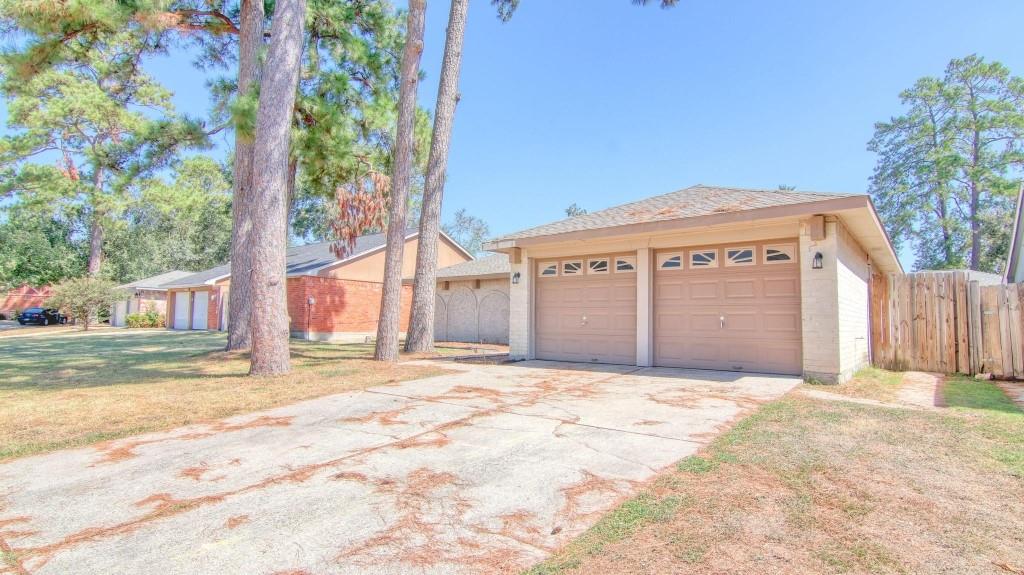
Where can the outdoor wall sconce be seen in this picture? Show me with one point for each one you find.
(515, 278)
(817, 263)
(311, 300)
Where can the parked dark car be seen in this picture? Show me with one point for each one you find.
(42, 316)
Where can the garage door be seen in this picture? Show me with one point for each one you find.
(733, 307)
(181, 310)
(200, 301)
(586, 310)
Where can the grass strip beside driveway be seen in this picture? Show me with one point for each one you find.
(813, 486)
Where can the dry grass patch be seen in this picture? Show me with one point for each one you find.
(868, 383)
(68, 391)
(811, 486)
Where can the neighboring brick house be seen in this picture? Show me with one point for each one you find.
(706, 277)
(329, 299)
(472, 301)
(144, 295)
(24, 297)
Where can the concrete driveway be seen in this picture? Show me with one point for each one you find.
(483, 471)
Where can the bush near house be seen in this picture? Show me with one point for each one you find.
(86, 299)
(148, 318)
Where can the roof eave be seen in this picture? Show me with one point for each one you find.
(807, 208)
(887, 255)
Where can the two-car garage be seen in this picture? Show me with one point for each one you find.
(728, 307)
(707, 277)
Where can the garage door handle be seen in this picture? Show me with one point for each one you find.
(721, 320)
(583, 320)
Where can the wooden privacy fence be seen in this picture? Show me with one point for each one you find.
(946, 322)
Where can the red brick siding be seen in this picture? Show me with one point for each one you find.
(23, 297)
(213, 309)
(341, 305)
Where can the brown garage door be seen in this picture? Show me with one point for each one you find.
(734, 307)
(586, 309)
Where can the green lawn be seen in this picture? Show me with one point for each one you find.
(59, 391)
(813, 486)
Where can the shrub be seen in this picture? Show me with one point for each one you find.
(85, 298)
(148, 318)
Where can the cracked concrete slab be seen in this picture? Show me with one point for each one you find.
(482, 471)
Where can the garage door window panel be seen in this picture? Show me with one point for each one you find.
(779, 253)
(625, 264)
(598, 266)
(572, 268)
(739, 257)
(703, 259)
(670, 261)
(548, 270)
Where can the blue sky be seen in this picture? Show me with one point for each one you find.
(600, 102)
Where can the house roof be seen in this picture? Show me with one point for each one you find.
(490, 266)
(701, 206)
(304, 260)
(156, 282)
(693, 202)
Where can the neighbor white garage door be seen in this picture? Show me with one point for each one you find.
(733, 307)
(181, 310)
(200, 301)
(586, 309)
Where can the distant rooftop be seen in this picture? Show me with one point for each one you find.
(493, 265)
(301, 260)
(157, 281)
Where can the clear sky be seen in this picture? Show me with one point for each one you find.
(600, 102)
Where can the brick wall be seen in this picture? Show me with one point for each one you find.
(213, 308)
(818, 310)
(834, 304)
(852, 279)
(23, 297)
(342, 306)
(519, 310)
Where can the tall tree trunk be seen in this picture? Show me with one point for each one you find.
(975, 199)
(269, 318)
(293, 171)
(250, 39)
(96, 228)
(389, 322)
(421, 322)
(95, 244)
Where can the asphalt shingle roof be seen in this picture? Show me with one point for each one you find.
(485, 266)
(157, 281)
(692, 202)
(300, 260)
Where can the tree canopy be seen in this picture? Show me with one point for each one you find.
(948, 168)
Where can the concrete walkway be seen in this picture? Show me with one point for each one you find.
(483, 471)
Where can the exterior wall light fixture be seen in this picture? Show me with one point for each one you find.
(515, 278)
(818, 261)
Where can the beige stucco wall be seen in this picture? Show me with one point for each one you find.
(467, 313)
(370, 268)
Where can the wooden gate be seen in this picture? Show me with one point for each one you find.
(945, 322)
